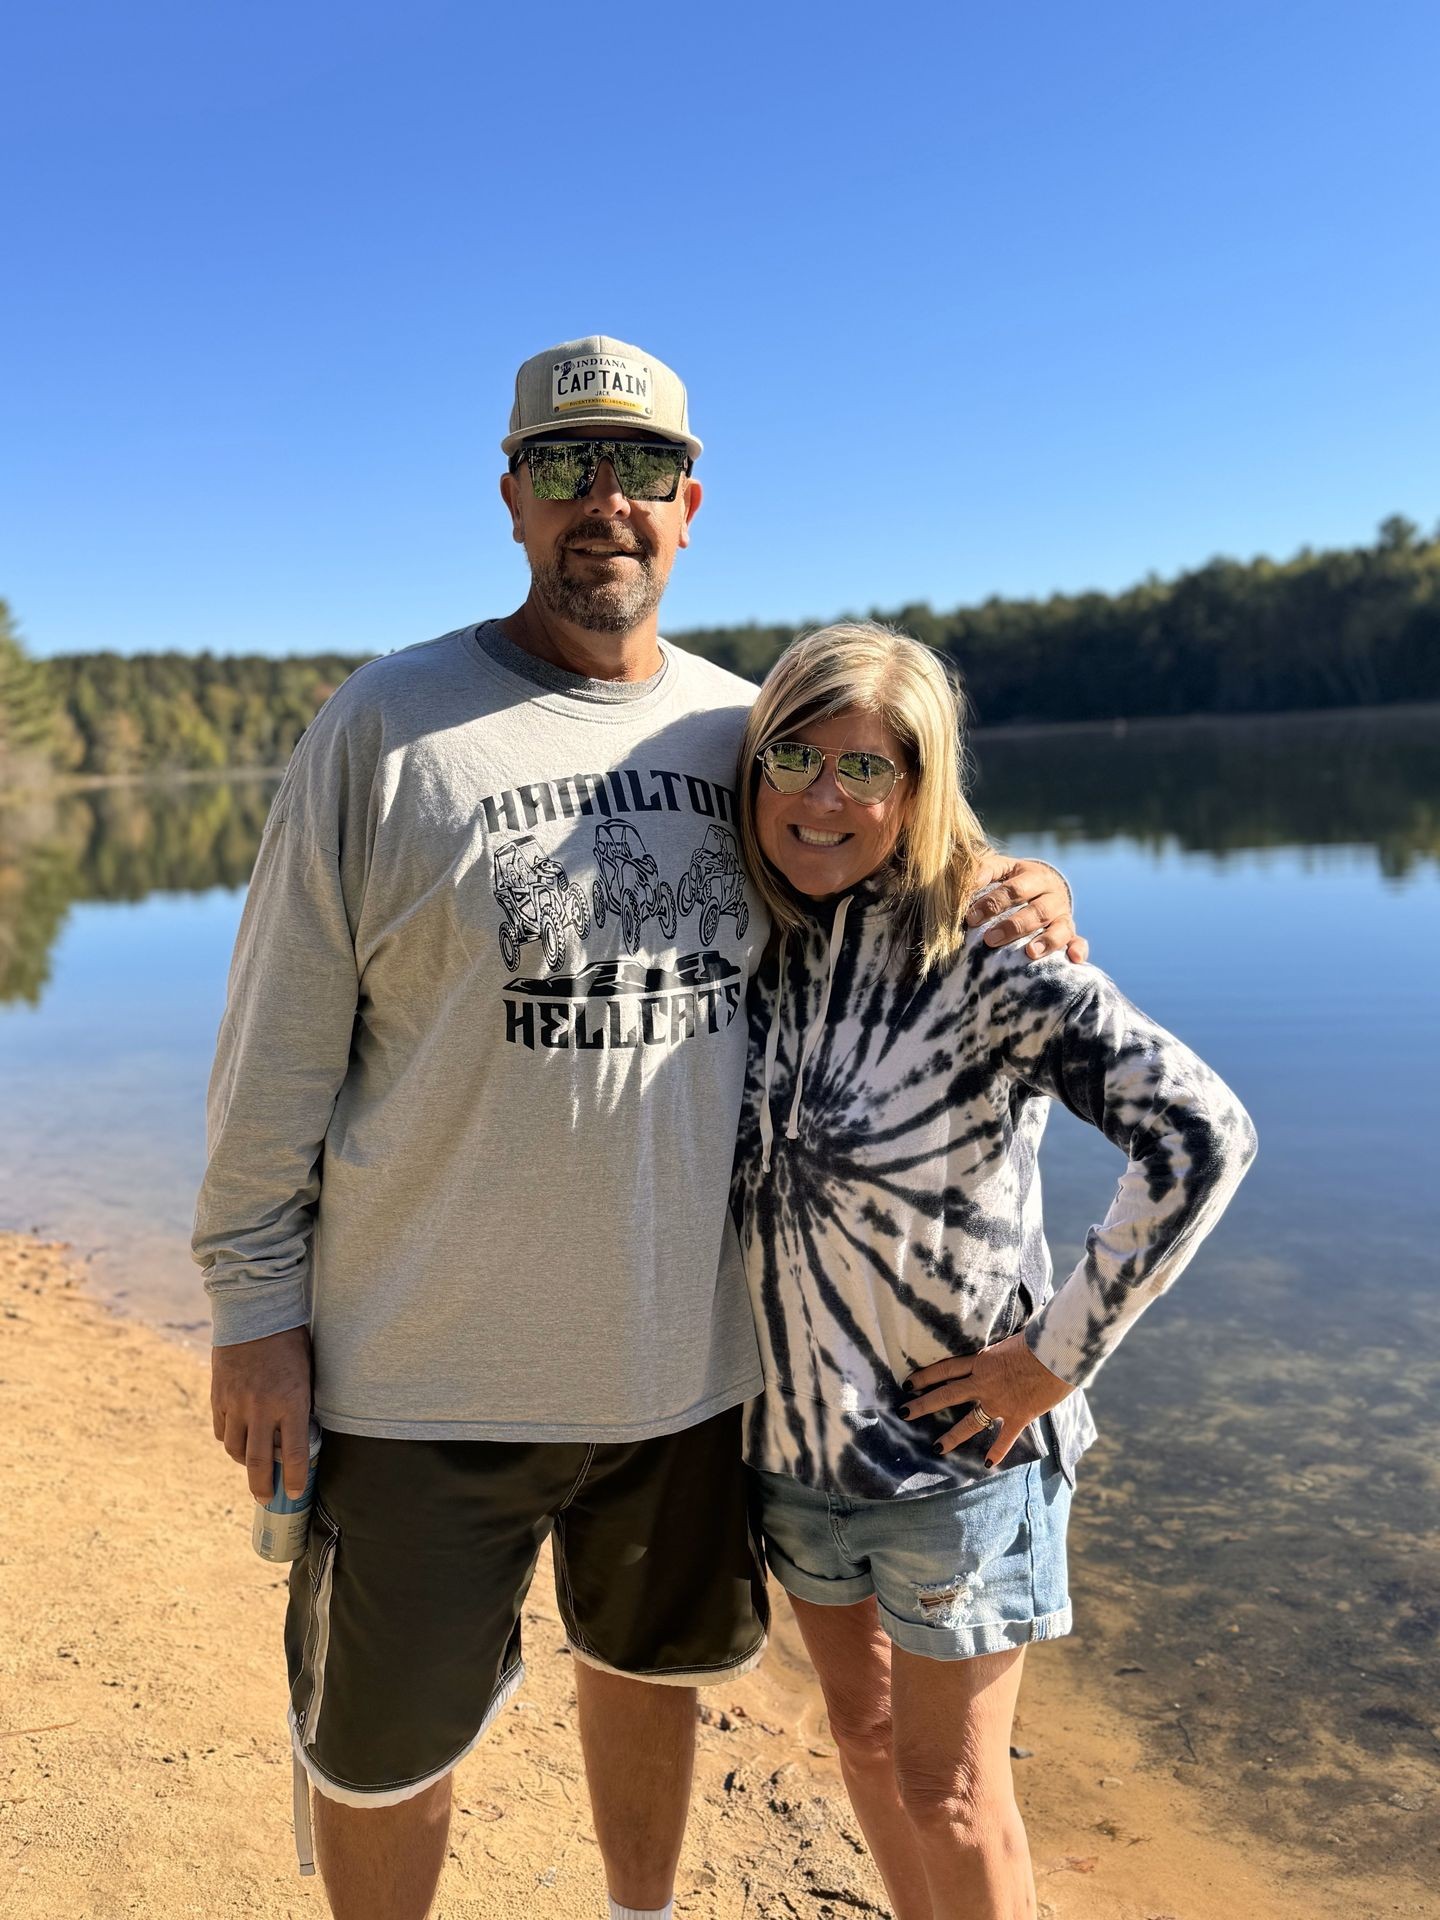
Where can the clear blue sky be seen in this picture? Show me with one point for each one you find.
(970, 299)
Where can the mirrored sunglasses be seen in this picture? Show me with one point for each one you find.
(566, 469)
(790, 766)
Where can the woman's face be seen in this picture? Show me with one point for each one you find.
(821, 840)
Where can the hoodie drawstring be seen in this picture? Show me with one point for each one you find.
(772, 1044)
(812, 1037)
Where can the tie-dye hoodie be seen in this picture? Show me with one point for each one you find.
(887, 1188)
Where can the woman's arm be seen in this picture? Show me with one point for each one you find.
(1187, 1142)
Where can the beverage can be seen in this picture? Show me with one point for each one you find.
(282, 1525)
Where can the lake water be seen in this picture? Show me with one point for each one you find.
(1257, 1533)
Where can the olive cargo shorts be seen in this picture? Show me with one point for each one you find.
(403, 1630)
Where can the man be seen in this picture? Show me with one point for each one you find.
(471, 1124)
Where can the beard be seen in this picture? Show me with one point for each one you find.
(601, 606)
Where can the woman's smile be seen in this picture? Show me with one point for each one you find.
(821, 840)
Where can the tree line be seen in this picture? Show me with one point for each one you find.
(185, 713)
(1345, 627)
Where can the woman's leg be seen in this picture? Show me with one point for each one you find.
(952, 1721)
(850, 1652)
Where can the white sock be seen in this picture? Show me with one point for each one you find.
(617, 1912)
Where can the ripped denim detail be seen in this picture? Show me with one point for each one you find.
(950, 1603)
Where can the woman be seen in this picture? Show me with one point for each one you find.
(916, 1444)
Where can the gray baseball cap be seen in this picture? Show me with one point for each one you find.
(598, 382)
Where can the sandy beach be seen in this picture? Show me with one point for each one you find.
(144, 1764)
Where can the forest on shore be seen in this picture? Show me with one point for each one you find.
(1339, 628)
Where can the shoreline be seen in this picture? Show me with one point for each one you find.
(144, 1761)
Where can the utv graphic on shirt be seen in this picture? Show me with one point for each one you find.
(538, 902)
(617, 1004)
(629, 883)
(607, 977)
(714, 882)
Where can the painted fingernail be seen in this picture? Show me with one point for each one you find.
(939, 1447)
(907, 1413)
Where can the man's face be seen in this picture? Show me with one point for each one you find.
(600, 563)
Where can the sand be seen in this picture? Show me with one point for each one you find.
(144, 1762)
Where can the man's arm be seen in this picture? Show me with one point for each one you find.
(1034, 899)
(281, 1059)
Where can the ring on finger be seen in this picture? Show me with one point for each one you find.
(978, 1412)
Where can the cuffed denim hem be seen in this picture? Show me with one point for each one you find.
(966, 1643)
(973, 1570)
(815, 1587)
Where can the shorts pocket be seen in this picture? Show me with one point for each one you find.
(1047, 1515)
(308, 1692)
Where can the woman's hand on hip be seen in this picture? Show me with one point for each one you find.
(1005, 1387)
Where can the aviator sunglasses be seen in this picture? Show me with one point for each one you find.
(566, 469)
(790, 766)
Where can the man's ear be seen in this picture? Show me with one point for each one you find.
(510, 494)
(694, 492)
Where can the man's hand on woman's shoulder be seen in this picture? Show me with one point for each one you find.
(1033, 899)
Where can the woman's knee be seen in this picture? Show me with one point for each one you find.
(850, 1651)
(860, 1722)
(956, 1794)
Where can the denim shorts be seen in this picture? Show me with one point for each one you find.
(972, 1570)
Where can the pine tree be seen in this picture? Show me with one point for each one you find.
(27, 711)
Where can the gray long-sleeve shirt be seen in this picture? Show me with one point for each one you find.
(479, 1074)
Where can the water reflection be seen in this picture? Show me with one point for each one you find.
(119, 843)
(1221, 786)
(1317, 780)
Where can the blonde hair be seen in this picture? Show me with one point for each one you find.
(861, 665)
